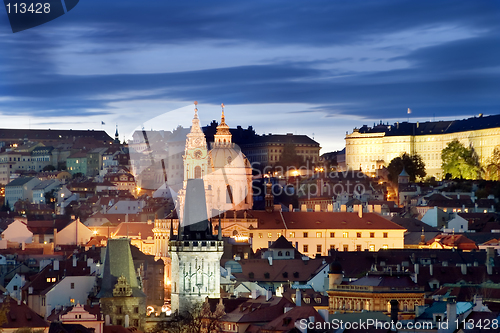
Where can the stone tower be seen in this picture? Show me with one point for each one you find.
(195, 253)
(122, 300)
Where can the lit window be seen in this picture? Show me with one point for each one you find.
(292, 234)
(372, 247)
(48, 279)
(278, 234)
(318, 235)
(385, 246)
(260, 235)
(53, 279)
(269, 234)
(345, 234)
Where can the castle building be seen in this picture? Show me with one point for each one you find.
(370, 148)
(195, 253)
(122, 301)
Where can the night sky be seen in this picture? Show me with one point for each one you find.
(302, 67)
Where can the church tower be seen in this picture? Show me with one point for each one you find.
(195, 152)
(195, 159)
(195, 253)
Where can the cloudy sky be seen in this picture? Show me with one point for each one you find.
(319, 67)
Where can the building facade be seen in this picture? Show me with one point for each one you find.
(370, 148)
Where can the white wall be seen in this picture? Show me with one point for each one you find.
(61, 293)
(18, 232)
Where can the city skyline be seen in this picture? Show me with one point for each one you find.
(318, 69)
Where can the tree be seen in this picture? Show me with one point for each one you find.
(413, 165)
(460, 161)
(289, 157)
(198, 319)
(48, 168)
(493, 165)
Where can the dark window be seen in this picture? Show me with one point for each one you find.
(332, 234)
(358, 234)
(318, 248)
(72, 285)
(136, 309)
(197, 172)
(372, 235)
(358, 247)
(306, 248)
(385, 234)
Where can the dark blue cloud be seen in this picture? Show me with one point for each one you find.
(450, 78)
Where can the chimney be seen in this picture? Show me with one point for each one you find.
(464, 269)
(490, 259)
(74, 261)
(431, 269)
(55, 237)
(417, 269)
(270, 259)
(30, 290)
(451, 309)
(269, 295)
(55, 265)
(298, 297)
(255, 293)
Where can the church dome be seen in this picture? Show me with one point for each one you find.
(226, 156)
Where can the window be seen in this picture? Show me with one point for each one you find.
(269, 234)
(306, 248)
(346, 248)
(332, 247)
(53, 279)
(197, 172)
(260, 235)
(119, 309)
(278, 234)
(358, 234)
(318, 235)
(280, 254)
(332, 234)
(135, 322)
(136, 309)
(43, 301)
(372, 235)
(72, 285)
(48, 280)
(318, 248)
(385, 234)
(345, 234)
(358, 247)
(305, 234)
(292, 234)
(385, 246)
(372, 247)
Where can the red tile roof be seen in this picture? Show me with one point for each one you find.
(323, 220)
(20, 315)
(132, 229)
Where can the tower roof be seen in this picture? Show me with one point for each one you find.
(118, 262)
(404, 173)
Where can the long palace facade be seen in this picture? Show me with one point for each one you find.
(370, 148)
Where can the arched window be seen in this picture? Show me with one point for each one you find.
(287, 253)
(280, 254)
(197, 172)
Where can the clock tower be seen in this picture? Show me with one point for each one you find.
(195, 153)
(195, 160)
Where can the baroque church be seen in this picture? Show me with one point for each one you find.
(225, 170)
